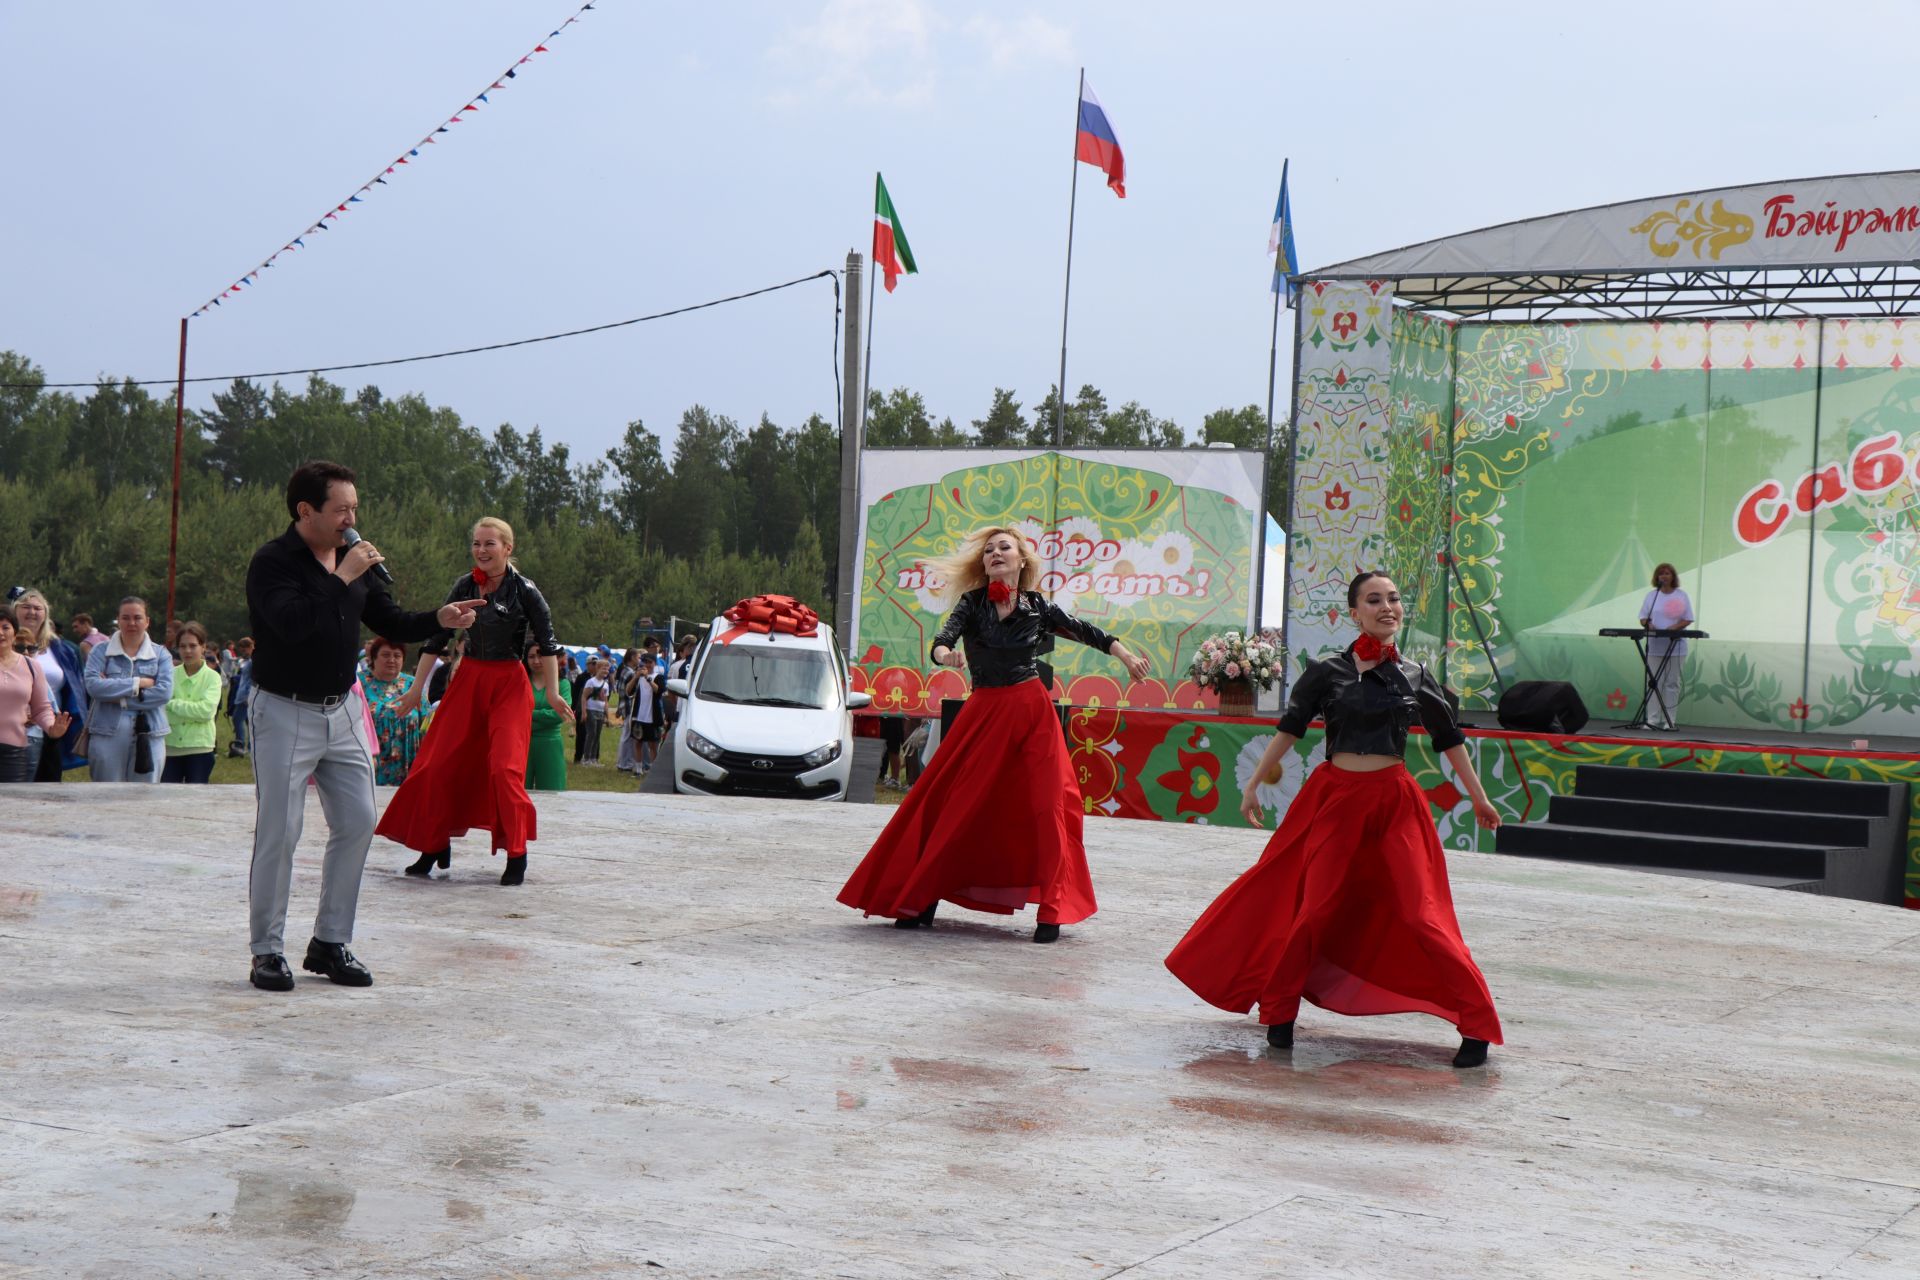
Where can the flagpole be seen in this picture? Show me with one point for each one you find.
(866, 372)
(1060, 405)
(1273, 364)
(179, 438)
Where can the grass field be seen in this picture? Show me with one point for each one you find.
(238, 770)
(233, 770)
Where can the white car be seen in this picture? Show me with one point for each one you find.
(765, 715)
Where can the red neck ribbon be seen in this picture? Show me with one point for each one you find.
(1369, 649)
(999, 592)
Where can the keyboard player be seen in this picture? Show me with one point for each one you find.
(1666, 609)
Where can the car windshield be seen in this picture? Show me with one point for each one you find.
(768, 676)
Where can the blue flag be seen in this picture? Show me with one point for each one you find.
(1280, 241)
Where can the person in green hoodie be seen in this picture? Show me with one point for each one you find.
(546, 751)
(191, 710)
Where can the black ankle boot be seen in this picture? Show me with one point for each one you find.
(423, 865)
(1473, 1053)
(922, 921)
(1046, 933)
(1280, 1035)
(516, 872)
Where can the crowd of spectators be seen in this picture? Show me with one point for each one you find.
(128, 708)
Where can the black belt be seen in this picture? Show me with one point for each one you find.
(329, 702)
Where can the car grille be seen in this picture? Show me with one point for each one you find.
(764, 775)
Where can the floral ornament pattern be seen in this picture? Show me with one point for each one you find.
(1340, 495)
(1711, 232)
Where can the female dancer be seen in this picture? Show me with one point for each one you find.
(1349, 906)
(472, 765)
(995, 821)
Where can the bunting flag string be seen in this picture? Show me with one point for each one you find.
(251, 279)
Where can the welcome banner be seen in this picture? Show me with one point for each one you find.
(1158, 547)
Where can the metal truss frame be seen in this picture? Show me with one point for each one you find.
(1879, 289)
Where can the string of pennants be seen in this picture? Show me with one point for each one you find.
(394, 168)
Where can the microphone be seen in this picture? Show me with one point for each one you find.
(352, 536)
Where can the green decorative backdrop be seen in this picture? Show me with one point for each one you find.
(1154, 554)
(1577, 457)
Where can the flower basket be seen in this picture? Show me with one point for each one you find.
(1236, 698)
(1235, 665)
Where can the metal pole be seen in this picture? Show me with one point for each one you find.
(866, 388)
(850, 442)
(1073, 199)
(179, 446)
(1266, 466)
(1286, 512)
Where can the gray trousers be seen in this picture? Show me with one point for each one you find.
(293, 741)
(110, 757)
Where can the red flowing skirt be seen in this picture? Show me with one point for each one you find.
(471, 769)
(1349, 907)
(993, 824)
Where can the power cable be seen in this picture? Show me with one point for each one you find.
(468, 351)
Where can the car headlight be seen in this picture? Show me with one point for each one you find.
(822, 755)
(701, 747)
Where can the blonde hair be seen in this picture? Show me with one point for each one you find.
(47, 633)
(965, 569)
(500, 527)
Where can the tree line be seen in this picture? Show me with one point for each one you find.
(84, 484)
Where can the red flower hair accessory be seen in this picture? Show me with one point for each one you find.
(999, 592)
(1369, 649)
(479, 577)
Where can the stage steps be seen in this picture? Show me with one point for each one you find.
(1815, 835)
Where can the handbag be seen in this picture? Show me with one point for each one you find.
(142, 749)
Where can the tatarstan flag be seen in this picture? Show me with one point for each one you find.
(891, 253)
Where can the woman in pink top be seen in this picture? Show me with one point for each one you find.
(23, 701)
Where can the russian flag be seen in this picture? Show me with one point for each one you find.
(1098, 146)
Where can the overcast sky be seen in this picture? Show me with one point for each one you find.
(662, 155)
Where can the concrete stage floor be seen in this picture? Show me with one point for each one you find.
(671, 1053)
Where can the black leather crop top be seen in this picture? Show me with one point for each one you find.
(515, 616)
(1001, 651)
(1369, 714)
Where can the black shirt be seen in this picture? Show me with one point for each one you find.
(1002, 651)
(1369, 714)
(306, 622)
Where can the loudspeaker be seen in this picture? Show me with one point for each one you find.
(1542, 706)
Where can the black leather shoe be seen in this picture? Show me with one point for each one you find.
(1046, 933)
(270, 973)
(334, 960)
(516, 872)
(1280, 1035)
(1473, 1053)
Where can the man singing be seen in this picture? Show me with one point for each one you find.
(306, 597)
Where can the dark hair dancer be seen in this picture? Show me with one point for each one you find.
(994, 822)
(1349, 905)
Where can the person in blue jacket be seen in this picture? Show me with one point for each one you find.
(64, 666)
(129, 682)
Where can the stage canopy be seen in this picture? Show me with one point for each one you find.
(1813, 246)
(1519, 423)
